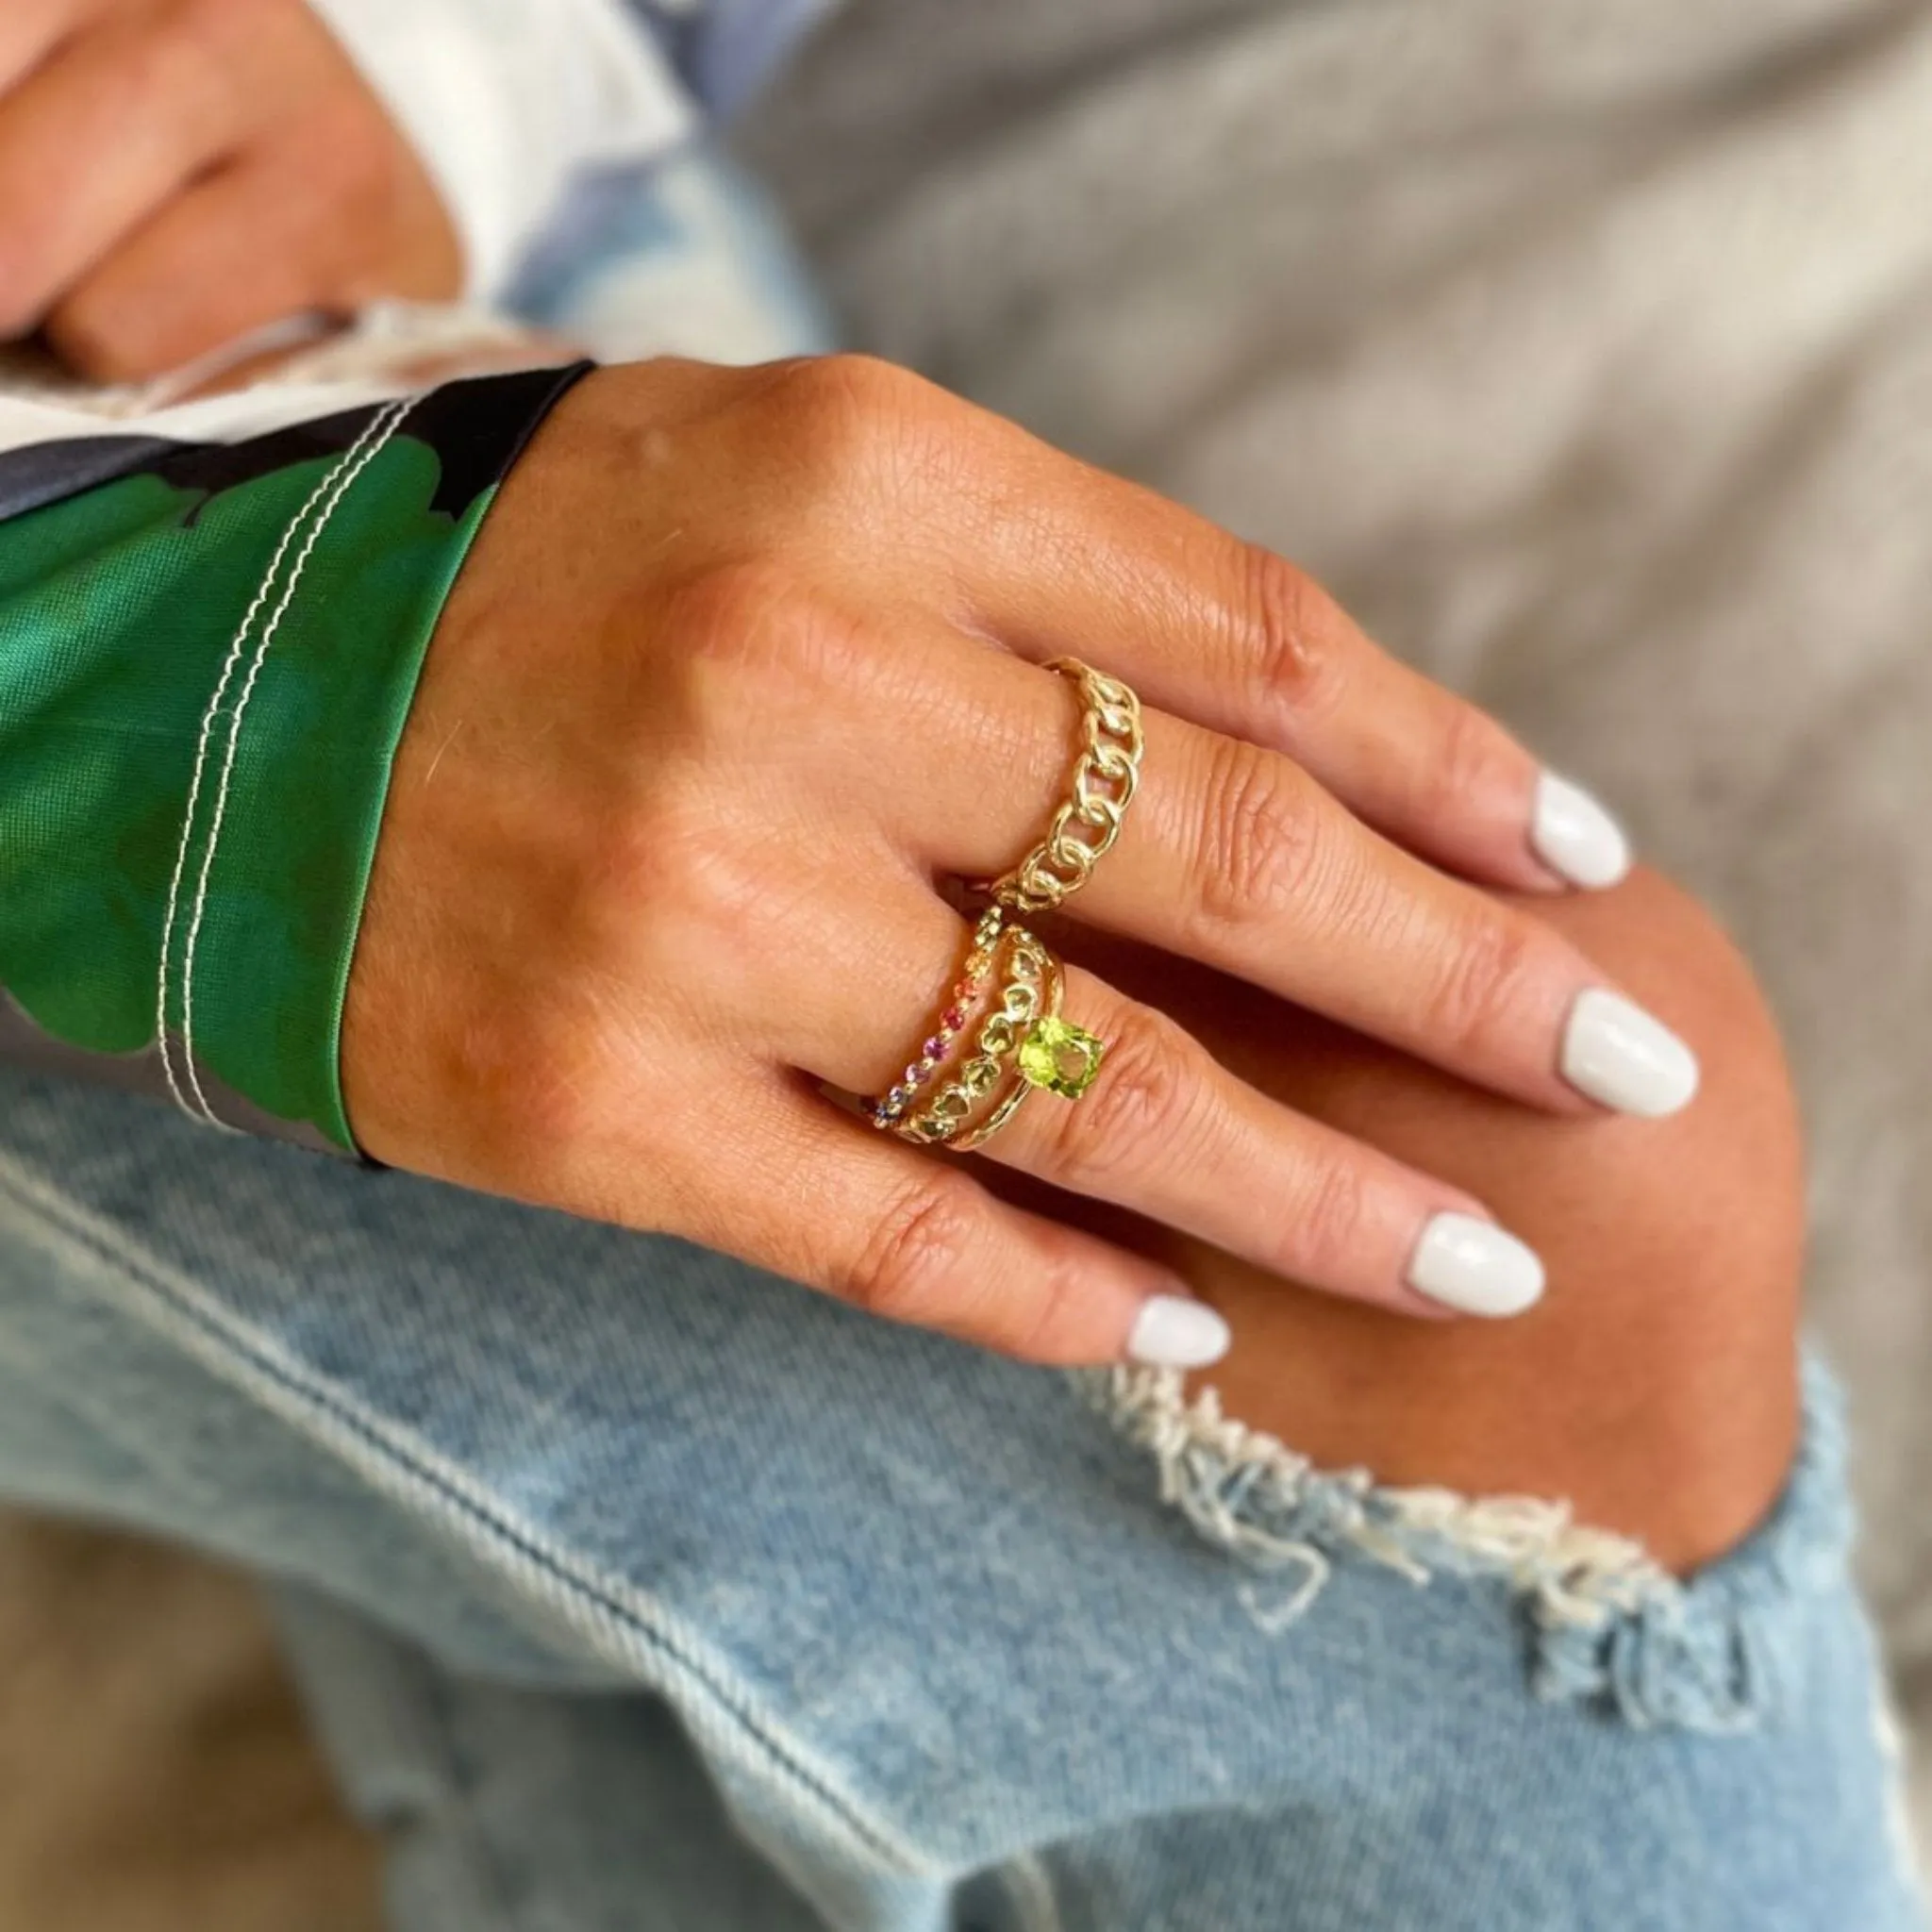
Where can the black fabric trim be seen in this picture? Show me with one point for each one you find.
(38, 473)
(477, 426)
(480, 426)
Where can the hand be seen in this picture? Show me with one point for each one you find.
(174, 173)
(1657, 1394)
(744, 662)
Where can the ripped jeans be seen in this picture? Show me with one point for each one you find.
(632, 1589)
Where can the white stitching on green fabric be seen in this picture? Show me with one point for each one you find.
(316, 515)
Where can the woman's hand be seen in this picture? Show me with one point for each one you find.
(174, 173)
(744, 665)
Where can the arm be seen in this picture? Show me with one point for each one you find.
(743, 663)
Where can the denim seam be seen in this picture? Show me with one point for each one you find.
(620, 1624)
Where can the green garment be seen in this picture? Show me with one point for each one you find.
(300, 575)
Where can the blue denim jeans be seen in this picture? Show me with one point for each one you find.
(632, 1587)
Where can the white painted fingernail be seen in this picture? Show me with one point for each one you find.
(1175, 1332)
(1575, 836)
(1618, 1054)
(1468, 1263)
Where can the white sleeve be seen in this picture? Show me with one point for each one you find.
(506, 100)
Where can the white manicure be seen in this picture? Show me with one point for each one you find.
(1476, 1266)
(1173, 1332)
(1618, 1054)
(1575, 836)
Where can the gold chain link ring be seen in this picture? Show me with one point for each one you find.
(1087, 823)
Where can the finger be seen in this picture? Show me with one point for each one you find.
(31, 29)
(1236, 856)
(95, 142)
(1052, 557)
(280, 231)
(1168, 1132)
(225, 258)
(829, 1202)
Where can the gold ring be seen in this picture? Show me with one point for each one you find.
(967, 991)
(1022, 1043)
(1084, 829)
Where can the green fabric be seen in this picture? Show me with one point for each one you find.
(117, 608)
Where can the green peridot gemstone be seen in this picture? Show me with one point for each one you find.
(1061, 1057)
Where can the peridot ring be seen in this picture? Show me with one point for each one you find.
(1023, 1041)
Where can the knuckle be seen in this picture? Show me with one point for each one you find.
(186, 58)
(30, 246)
(1024, 1324)
(344, 204)
(756, 637)
(219, 25)
(919, 1251)
(1261, 838)
(1146, 1105)
(1484, 987)
(832, 401)
(102, 337)
(849, 420)
(848, 384)
(1326, 1233)
(154, 56)
(251, 60)
(1294, 638)
(1472, 760)
(732, 615)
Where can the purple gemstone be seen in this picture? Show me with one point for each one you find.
(933, 1048)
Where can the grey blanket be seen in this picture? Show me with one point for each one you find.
(1587, 350)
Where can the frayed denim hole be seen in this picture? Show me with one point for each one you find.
(1608, 1627)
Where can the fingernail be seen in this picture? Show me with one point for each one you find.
(1575, 836)
(1176, 1332)
(1618, 1054)
(1471, 1264)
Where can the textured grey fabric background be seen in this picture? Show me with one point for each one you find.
(1587, 351)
